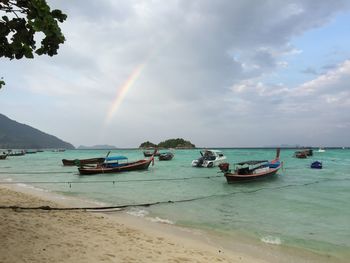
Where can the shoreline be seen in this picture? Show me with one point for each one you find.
(46, 236)
(217, 248)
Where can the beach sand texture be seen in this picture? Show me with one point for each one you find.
(77, 236)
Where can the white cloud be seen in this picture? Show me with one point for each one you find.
(205, 62)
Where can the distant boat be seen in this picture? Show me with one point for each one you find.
(321, 150)
(251, 170)
(79, 162)
(30, 152)
(166, 156)
(209, 158)
(316, 165)
(309, 152)
(21, 153)
(116, 164)
(3, 156)
(59, 150)
(155, 152)
(300, 155)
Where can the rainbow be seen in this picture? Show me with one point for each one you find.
(121, 92)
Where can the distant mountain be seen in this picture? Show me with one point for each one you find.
(14, 135)
(97, 147)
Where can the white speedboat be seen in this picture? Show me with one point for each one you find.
(209, 158)
(321, 150)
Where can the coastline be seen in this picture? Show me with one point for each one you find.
(77, 236)
(117, 236)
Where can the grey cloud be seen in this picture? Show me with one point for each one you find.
(193, 52)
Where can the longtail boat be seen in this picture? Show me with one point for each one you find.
(166, 156)
(79, 162)
(116, 164)
(251, 170)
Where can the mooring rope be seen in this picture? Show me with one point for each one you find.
(110, 181)
(39, 172)
(165, 202)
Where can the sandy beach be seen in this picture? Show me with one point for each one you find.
(78, 236)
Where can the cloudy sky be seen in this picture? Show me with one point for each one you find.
(218, 73)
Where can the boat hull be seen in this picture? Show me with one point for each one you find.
(3, 157)
(16, 154)
(138, 165)
(149, 154)
(234, 178)
(165, 157)
(208, 163)
(316, 165)
(82, 161)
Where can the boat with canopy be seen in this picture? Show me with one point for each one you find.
(116, 164)
(251, 170)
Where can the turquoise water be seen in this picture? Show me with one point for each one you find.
(301, 207)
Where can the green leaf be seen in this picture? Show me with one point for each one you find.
(2, 83)
(17, 35)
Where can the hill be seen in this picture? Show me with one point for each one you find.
(14, 135)
(148, 144)
(170, 143)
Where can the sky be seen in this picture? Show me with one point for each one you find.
(241, 73)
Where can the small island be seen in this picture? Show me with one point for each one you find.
(148, 144)
(178, 143)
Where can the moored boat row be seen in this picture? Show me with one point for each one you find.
(243, 171)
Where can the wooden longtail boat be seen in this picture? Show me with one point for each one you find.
(166, 156)
(79, 162)
(116, 166)
(251, 170)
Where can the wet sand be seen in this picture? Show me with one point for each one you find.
(78, 236)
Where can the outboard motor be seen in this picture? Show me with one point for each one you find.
(200, 162)
(224, 167)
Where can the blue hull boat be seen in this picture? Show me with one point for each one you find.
(316, 165)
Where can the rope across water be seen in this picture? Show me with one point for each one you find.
(169, 201)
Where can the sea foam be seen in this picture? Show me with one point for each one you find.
(32, 187)
(161, 220)
(137, 212)
(271, 240)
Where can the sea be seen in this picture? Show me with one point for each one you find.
(300, 208)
